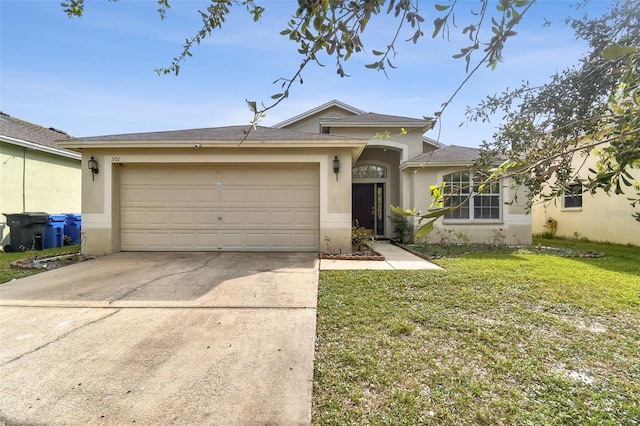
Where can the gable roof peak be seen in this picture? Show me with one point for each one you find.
(327, 105)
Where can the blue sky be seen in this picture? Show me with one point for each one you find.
(94, 75)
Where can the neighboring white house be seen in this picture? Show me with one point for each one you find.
(296, 186)
(597, 217)
(36, 175)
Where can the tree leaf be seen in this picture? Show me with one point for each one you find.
(425, 229)
(436, 213)
(400, 212)
(437, 26)
(615, 51)
(253, 106)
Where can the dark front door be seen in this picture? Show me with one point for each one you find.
(368, 206)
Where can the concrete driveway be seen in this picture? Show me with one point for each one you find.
(161, 338)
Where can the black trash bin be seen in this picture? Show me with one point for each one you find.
(26, 230)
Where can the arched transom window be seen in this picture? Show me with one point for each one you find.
(369, 171)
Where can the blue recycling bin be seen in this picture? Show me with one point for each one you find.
(54, 231)
(73, 226)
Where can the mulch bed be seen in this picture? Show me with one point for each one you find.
(369, 254)
(49, 262)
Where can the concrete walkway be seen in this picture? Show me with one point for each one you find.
(395, 258)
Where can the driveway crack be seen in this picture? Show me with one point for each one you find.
(137, 288)
(63, 335)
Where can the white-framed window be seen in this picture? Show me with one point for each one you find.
(573, 196)
(483, 205)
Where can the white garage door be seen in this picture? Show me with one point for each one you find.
(219, 207)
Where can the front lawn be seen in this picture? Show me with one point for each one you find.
(495, 338)
(7, 273)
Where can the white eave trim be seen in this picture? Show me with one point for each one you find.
(39, 147)
(155, 144)
(329, 123)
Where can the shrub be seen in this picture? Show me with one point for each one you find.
(401, 228)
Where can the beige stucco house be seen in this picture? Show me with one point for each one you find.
(36, 175)
(597, 217)
(399, 164)
(296, 186)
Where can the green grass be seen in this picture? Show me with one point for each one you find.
(495, 338)
(7, 273)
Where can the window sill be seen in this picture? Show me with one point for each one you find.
(571, 209)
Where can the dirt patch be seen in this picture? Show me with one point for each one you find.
(49, 262)
(368, 254)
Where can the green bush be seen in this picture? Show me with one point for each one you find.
(401, 228)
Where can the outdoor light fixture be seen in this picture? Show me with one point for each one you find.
(93, 166)
(336, 166)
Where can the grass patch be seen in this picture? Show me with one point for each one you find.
(495, 338)
(437, 251)
(7, 273)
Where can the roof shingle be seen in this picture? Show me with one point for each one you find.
(25, 131)
(228, 133)
(374, 118)
(448, 154)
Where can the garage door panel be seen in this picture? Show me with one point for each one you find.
(135, 240)
(257, 195)
(133, 217)
(132, 194)
(281, 239)
(306, 196)
(219, 207)
(205, 218)
(155, 218)
(282, 218)
(307, 219)
(233, 218)
(282, 196)
(208, 240)
(179, 240)
(183, 195)
(232, 195)
(232, 240)
(257, 240)
(307, 240)
(183, 217)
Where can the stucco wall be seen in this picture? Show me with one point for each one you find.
(602, 217)
(32, 180)
(100, 201)
(515, 223)
(311, 124)
(376, 136)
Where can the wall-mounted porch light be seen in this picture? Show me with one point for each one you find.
(336, 166)
(93, 166)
